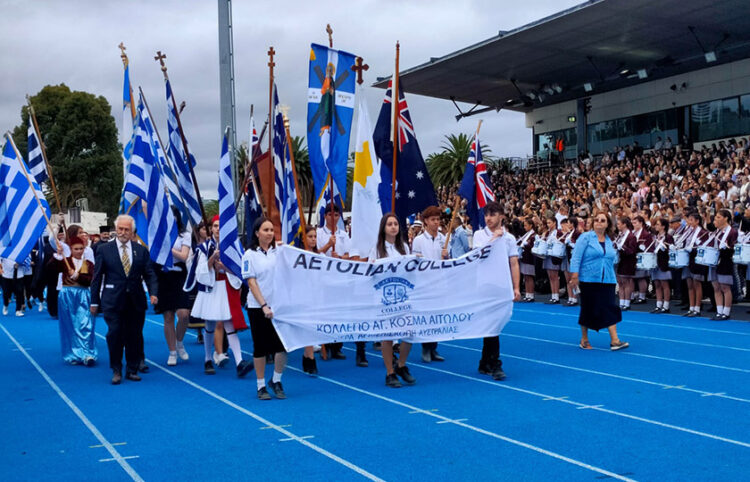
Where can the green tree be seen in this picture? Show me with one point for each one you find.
(446, 168)
(80, 135)
(211, 206)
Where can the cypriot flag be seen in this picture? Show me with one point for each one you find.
(366, 209)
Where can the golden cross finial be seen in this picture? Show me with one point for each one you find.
(160, 58)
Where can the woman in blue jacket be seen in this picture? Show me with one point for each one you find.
(592, 269)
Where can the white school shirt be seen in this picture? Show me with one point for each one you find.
(342, 241)
(183, 239)
(390, 252)
(429, 247)
(9, 267)
(259, 265)
(483, 237)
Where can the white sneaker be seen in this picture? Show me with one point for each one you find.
(181, 352)
(20, 313)
(172, 360)
(220, 359)
(5, 310)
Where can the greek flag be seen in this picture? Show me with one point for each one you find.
(21, 219)
(279, 141)
(284, 185)
(36, 161)
(181, 167)
(230, 250)
(324, 199)
(128, 118)
(145, 183)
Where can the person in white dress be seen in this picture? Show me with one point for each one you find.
(218, 301)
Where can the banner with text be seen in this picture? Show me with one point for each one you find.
(317, 299)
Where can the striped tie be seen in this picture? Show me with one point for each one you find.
(125, 260)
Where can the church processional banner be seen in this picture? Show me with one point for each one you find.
(317, 299)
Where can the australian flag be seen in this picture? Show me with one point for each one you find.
(475, 186)
(414, 189)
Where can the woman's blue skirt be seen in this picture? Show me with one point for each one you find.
(77, 335)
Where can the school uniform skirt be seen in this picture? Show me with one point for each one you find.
(528, 269)
(549, 264)
(599, 306)
(171, 295)
(265, 339)
(659, 275)
(725, 279)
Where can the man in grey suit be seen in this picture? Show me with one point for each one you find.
(117, 292)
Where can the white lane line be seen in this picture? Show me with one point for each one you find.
(268, 423)
(305, 437)
(126, 458)
(604, 374)
(266, 427)
(100, 446)
(626, 335)
(597, 408)
(452, 421)
(92, 428)
(650, 323)
(631, 353)
(430, 413)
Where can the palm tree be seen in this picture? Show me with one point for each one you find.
(446, 168)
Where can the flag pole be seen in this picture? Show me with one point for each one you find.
(271, 167)
(395, 107)
(44, 153)
(31, 186)
(166, 157)
(126, 63)
(160, 58)
(296, 184)
(457, 203)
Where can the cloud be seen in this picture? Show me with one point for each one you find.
(51, 42)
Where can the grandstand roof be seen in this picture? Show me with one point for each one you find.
(602, 42)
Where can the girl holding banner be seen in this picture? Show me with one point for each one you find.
(390, 244)
(257, 268)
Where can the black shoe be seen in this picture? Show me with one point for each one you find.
(528, 300)
(392, 381)
(639, 301)
(133, 377)
(665, 310)
(693, 314)
(436, 356)
(89, 362)
(277, 390)
(403, 372)
(377, 345)
(263, 394)
(498, 373)
(485, 368)
(687, 313)
(624, 308)
(208, 368)
(362, 360)
(116, 377)
(426, 355)
(337, 355)
(552, 301)
(244, 368)
(656, 310)
(142, 367)
(199, 340)
(306, 364)
(313, 368)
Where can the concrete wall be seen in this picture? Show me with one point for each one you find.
(711, 83)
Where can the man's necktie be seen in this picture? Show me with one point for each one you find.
(125, 260)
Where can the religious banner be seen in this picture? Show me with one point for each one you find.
(330, 109)
(317, 299)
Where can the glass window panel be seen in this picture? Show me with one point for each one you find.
(745, 114)
(730, 117)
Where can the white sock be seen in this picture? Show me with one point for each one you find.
(641, 296)
(234, 344)
(261, 382)
(531, 296)
(172, 353)
(208, 344)
(556, 296)
(659, 304)
(180, 345)
(726, 310)
(622, 303)
(277, 377)
(573, 299)
(627, 303)
(666, 305)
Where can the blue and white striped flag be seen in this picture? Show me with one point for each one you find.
(230, 250)
(145, 182)
(279, 139)
(37, 166)
(128, 118)
(22, 206)
(324, 199)
(176, 154)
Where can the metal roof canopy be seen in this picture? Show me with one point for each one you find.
(602, 42)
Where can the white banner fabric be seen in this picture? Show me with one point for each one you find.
(317, 299)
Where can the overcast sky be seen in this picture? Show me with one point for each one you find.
(75, 42)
